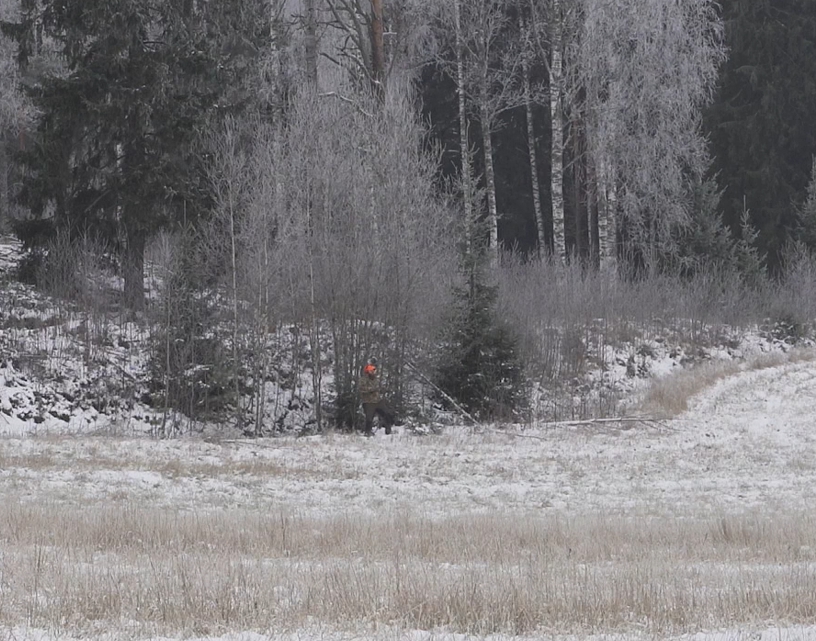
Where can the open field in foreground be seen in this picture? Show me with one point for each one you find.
(703, 525)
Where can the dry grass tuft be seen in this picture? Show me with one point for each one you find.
(204, 573)
(669, 396)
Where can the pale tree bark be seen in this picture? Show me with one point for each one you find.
(592, 213)
(557, 125)
(490, 72)
(531, 146)
(607, 203)
(464, 145)
(490, 180)
(231, 207)
(486, 121)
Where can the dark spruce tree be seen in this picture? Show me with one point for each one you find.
(761, 123)
(114, 146)
(706, 242)
(478, 364)
(806, 215)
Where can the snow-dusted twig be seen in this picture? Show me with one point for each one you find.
(341, 97)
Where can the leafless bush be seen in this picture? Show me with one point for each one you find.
(790, 307)
(328, 218)
(74, 272)
(568, 316)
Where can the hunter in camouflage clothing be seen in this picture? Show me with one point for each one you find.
(373, 403)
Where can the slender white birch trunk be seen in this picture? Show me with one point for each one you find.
(490, 180)
(234, 266)
(528, 104)
(607, 197)
(464, 147)
(556, 116)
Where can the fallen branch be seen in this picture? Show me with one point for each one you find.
(255, 442)
(590, 421)
(602, 421)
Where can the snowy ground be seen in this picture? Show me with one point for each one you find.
(748, 443)
(745, 446)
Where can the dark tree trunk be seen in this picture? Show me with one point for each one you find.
(311, 42)
(133, 268)
(4, 191)
(377, 49)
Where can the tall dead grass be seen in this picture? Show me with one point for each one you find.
(669, 396)
(162, 571)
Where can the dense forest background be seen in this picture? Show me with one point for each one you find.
(483, 187)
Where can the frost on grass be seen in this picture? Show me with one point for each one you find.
(696, 527)
(644, 530)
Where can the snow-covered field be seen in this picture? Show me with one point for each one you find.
(743, 454)
(700, 527)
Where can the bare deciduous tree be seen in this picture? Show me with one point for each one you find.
(491, 81)
(361, 49)
(484, 68)
(551, 29)
(466, 170)
(378, 39)
(377, 245)
(328, 222)
(648, 68)
(527, 58)
(311, 40)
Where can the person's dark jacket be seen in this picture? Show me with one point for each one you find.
(370, 388)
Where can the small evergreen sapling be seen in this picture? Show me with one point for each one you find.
(479, 364)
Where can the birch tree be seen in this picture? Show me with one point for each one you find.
(466, 171)
(490, 69)
(527, 59)
(330, 224)
(553, 29)
(556, 70)
(372, 271)
(648, 68)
